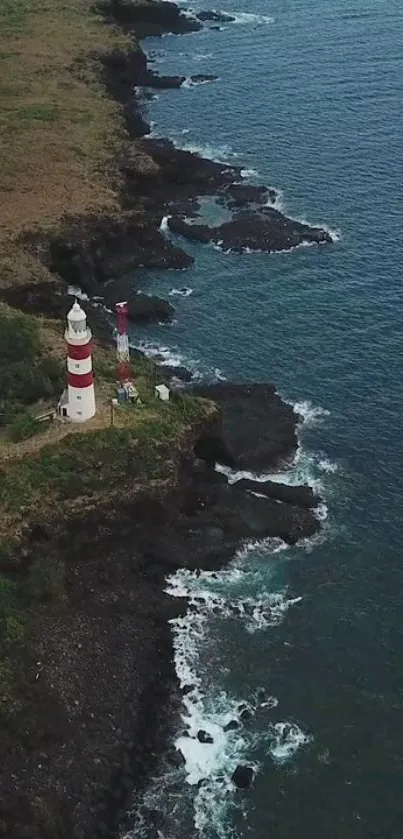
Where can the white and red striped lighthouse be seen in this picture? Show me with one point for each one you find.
(80, 403)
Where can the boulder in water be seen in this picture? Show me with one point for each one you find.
(204, 736)
(232, 725)
(302, 496)
(199, 78)
(218, 17)
(243, 776)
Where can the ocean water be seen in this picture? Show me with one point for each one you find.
(309, 100)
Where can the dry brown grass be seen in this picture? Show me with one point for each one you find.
(57, 125)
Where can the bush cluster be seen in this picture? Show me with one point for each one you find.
(26, 374)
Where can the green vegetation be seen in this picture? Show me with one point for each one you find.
(23, 427)
(27, 373)
(100, 461)
(85, 467)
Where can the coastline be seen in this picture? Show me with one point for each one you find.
(87, 253)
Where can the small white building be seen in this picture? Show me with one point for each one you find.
(162, 392)
(77, 402)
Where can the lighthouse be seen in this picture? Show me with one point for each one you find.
(78, 401)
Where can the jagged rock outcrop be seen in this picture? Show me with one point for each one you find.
(253, 232)
(258, 427)
(94, 250)
(243, 776)
(217, 17)
(150, 17)
(145, 308)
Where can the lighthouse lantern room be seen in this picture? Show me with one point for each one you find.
(78, 401)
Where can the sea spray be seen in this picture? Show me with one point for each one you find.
(172, 357)
(209, 765)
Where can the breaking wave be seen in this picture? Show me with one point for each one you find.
(220, 153)
(189, 82)
(279, 204)
(180, 292)
(218, 715)
(169, 357)
(246, 17)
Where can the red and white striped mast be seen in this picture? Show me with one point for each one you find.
(122, 344)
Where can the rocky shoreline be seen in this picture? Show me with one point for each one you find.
(156, 180)
(105, 701)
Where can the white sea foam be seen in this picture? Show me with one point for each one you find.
(164, 355)
(249, 173)
(180, 292)
(284, 739)
(256, 612)
(189, 82)
(311, 414)
(202, 56)
(279, 204)
(221, 154)
(219, 246)
(246, 17)
(304, 468)
(209, 766)
(270, 545)
(326, 465)
(164, 227)
(167, 356)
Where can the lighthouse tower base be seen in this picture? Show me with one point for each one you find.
(76, 410)
(81, 403)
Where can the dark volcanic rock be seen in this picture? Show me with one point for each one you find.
(189, 168)
(244, 195)
(121, 72)
(144, 308)
(178, 372)
(243, 776)
(45, 299)
(151, 17)
(260, 517)
(203, 77)
(94, 250)
(259, 429)
(232, 725)
(303, 496)
(204, 736)
(218, 17)
(213, 450)
(253, 231)
(147, 308)
(151, 79)
(176, 179)
(195, 232)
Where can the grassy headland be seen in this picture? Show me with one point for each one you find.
(60, 136)
(60, 131)
(58, 126)
(57, 472)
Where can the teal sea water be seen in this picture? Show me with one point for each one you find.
(309, 100)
